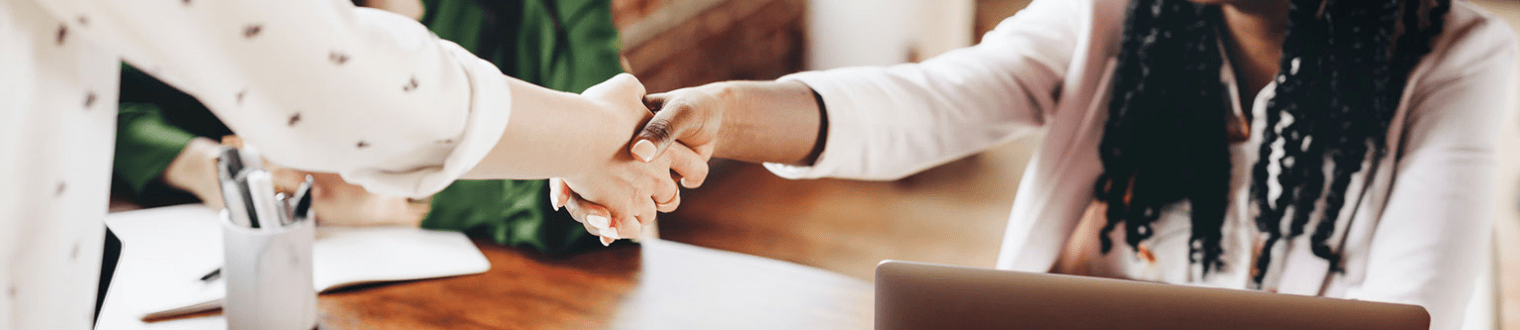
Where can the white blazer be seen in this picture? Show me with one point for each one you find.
(1418, 233)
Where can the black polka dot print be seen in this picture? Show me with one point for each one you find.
(240, 96)
(337, 58)
(411, 85)
(362, 144)
(63, 33)
(295, 118)
(58, 192)
(252, 30)
(83, 20)
(89, 99)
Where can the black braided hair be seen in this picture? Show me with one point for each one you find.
(1166, 140)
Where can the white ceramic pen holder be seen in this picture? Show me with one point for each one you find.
(269, 277)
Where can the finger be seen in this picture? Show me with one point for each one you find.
(646, 226)
(628, 228)
(559, 193)
(656, 102)
(577, 213)
(691, 166)
(594, 216)
(665, 191)
(592, 230)
(670, 206)
(660, 132)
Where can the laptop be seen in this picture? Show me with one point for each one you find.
(912, 295)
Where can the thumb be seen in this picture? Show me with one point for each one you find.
(668, 125)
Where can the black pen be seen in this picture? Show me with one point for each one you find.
(302, 209)
(213, 275)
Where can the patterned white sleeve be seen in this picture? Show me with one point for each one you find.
(317, 84)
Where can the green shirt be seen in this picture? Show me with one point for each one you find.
(567, 45)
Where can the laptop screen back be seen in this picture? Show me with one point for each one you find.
(924, 296)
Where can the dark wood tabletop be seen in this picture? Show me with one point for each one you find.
(653, 285)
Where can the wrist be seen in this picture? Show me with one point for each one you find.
(413, 211)
(194, 170)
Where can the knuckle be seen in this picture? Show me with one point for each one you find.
(658, 130)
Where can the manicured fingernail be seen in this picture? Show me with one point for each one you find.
(611, 233)
(600, 222)
(606, 241)
(644, 150)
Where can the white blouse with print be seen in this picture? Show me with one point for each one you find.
(316, 84)
(1415, 230)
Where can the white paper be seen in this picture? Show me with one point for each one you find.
(166, 250)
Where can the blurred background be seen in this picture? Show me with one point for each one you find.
(953, 214)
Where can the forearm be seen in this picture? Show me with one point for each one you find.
(554, 134)
(767, 121)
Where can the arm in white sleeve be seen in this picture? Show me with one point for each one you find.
(317, 84)
(1436, 229)
(889, 122)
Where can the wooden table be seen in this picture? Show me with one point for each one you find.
(658, 285)
(655, 285)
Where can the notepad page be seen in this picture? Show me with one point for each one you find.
(166, 250)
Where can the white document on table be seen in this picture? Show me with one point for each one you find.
(165, 251)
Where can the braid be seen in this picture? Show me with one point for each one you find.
(1272, 211)
(1167, 128)
(1338, 87)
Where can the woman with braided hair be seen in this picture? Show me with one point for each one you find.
(1339, 148)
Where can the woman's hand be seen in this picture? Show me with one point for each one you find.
(752, 121)
(617, 176)
(687, 119)
(194, 171)
(339, 203)
(690, 116)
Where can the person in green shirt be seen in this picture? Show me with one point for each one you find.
(165, 151)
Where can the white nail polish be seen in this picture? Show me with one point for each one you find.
(645, 149)
(606, 241)
(611, 233)
(600, 222)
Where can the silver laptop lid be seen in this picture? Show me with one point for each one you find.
(913, 295)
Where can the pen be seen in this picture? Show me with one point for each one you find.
(213, 275)
(301, 208)
(282, 206)
(228, 167)
(261, 189)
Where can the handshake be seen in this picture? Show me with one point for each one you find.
(667, 140)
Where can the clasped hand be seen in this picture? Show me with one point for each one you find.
(673, 145)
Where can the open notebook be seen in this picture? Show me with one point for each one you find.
(166, 250)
